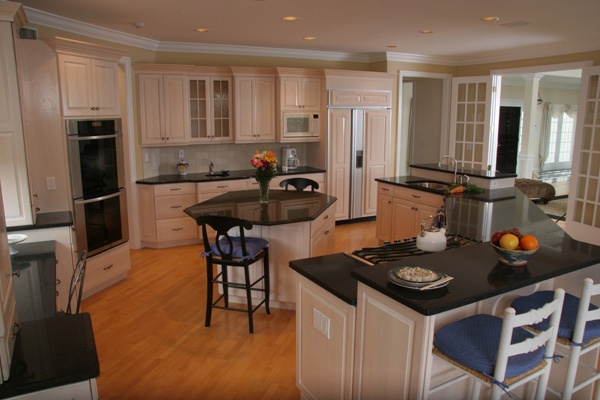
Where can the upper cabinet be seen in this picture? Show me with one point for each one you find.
(300, 90)
(89, 78)
(254, 91)
(210, 109)
(89, 87)
(163, 109)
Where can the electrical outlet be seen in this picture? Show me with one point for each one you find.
(50, 183)
(181, 155)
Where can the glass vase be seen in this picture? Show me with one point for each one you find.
(263, 189)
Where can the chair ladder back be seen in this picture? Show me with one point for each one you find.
(584, 314)
(76, 286)
(222, 226)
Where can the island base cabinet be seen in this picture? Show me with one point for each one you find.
(85, 390)
(325, 343)
(392, 353)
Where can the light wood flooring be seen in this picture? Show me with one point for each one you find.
(152, 342)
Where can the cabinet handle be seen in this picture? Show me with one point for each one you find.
(416, 197)
(175, 189)
(326, 217)
(15, 330)
(222, 187)
(326, 233)
(177, 229)
(385, 189)
(176, 206)
(108, 267)
(389, 202)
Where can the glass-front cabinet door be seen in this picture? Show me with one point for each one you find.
(210, 109)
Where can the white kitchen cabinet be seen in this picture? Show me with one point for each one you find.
(13, 165)
(106, 269)
(163, 109)
(85, 390)
(254, 105)
(8, 310)
(164, 224)
(401, 210)
(322, 234)
(210, 109)
(89, 87)
(325, 328)
(300, 93)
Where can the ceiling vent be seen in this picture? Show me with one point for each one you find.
(28, 33)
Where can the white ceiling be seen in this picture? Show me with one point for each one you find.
(345, 29)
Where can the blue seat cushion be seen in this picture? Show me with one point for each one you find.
(473, 342)
(568, 316)
(253, 246)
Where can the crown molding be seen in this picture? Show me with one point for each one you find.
(42, 18)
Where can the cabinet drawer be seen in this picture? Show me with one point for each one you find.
(356, 98)
(387, 190)
(173, 206)
(174, 188)
(221, 186)
(176, 229)
(106, 266)
(418, 196)
(321, 220)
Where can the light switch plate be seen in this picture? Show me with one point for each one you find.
(50, 183)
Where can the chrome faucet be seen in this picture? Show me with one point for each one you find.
(453, 160)
(211, 168)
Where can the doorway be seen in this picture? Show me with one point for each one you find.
(509, 129)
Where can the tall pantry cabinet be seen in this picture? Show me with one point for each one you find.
(13, 166)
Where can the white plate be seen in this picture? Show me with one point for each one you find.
(16, 238)
(393, 274)
(415, 285)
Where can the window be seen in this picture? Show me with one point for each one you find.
(561, 134)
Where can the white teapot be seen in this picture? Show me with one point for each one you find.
(432, 238)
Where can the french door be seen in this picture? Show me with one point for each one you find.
(583, 209)
(471, 123)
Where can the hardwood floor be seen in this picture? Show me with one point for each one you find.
(152, 342)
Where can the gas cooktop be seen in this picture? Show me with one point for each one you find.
(403, 249)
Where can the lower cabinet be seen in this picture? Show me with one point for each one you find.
(64, 258)
(324, 342)
(164, 224)
(106, 269)
(322, 234)
(400, 211)
(85, 390)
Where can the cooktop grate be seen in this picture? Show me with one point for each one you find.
(403, 249)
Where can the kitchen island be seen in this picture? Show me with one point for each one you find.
(296, 224)
(379, 336)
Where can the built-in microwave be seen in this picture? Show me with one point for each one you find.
(299, 125)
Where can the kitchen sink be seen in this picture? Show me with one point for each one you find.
(218, 174)
(429, 184)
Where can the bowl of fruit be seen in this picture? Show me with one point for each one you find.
(513, 247)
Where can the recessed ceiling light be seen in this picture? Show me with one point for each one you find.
(138, 25)
(310, 38)
(391, 46)
(201, 30)
(426, 31)
(290, 18)
(490, 19)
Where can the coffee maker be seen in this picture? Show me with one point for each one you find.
(290, 158)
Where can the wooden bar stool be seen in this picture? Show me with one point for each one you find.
(299, 183)
(579, 333)
(233, 251)
(498, 351)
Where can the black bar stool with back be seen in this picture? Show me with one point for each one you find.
(233, 251)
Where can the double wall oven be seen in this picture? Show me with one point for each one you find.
(95, 148)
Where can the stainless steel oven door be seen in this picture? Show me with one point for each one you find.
(97, 165)
(101, 222)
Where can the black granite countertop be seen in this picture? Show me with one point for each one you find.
(465, 171)
(487, 195)
(477, 273)
(46, 220)
(284, 207)
(52, 352)
(201, 177)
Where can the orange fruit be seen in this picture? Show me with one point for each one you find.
(529, 242)
(509, 241)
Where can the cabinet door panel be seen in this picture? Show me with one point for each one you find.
(175, 105)
(377, 139)
(151, 119)
(311, 91)
(265, 108)
(105, 81)
(76, 85)
(339, 165)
